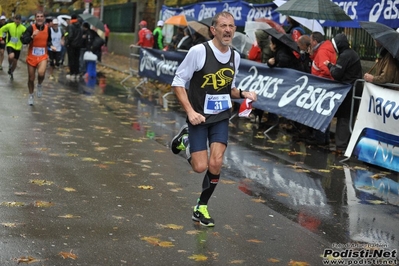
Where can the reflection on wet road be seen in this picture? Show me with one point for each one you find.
(350, 202)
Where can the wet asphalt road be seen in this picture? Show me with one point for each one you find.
(87, 175)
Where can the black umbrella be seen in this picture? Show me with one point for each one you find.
(94, 21)
(386, 36)
(284, 38)
(314, 9)
(207, 21)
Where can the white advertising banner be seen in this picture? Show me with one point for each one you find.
(375, 137)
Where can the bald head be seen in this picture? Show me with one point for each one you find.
(304, 42)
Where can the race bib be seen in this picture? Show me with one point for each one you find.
(14, 40)
(38, 51)
(215, 104)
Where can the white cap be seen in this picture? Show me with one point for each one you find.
(55, 21)
(160, 23)
(3, 17)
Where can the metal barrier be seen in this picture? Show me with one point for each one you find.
(134, 58)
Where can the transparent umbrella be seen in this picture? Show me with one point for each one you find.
(241, 42)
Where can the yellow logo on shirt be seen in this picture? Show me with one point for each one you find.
(219, 80)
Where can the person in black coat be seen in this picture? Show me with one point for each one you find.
(347, 70)
(283, 56)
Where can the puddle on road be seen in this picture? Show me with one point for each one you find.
(344, 203)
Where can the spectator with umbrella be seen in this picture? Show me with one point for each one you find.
(386, 39)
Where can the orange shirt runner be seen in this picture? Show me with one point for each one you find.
(37, 51)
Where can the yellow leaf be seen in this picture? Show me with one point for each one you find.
(259, 200)
(26, 260)
(41, 182)
(155, 174)
(43, 204)
(151, 240)
(100, 148)
(237, 261)
(273, 260)
(68, 255)
(13, 204)
(145, 161)
(198, 257)
(72, 154)
(69, 216)
(129, 174)
(87, 159)
(254, 241)
(166, 244)
(298, 263)
(146, 187)
(11, 225)
(173, 226)
(69, 189)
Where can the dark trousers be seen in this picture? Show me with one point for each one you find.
(73, 60)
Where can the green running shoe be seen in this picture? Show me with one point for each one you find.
(201, 215)
(179, 141)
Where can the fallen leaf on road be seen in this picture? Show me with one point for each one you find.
(259, 200)
(273, 260)
(87, 159)
(237, 261)
(41, 182)
(254, 241)
(10, 225)
(69, 189)
(157, 242)
(13, 204)
(43, 204)
(26, 260)
(198, 257)
(172, 226)
(100, 148)
(146, 187)
(69, 216)
(298, 263)
(166, 244)
(155, 174)
(68, 255)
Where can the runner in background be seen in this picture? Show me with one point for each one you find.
(38, 36)
(13, 45)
